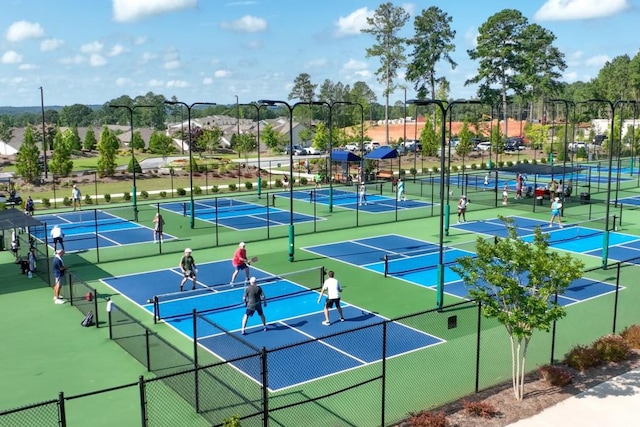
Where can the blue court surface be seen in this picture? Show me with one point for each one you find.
(237, 214)
(632, 200)
(94, 228)
(573, 237)
(375, 203)
(415, 261)
(293, 315)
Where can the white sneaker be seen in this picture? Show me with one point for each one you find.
(325, 323)
(58, 301)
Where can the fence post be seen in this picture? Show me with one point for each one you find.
(143, 401)
(265, 392)
(615, 303)
(146, 348)
(478, 331)
(553, 334)
(384, 373)
(195, 360)
(94, 294)
(62, 416)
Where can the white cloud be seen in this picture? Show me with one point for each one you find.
(353, 23)
(23, 30)
(571, 77)
(177, 83)
(117, 50)
(97, 60)
(148, 56)
(220, 74)
(597, 61)
(247, 24)
(124, 81)
(565, 10)
(72, 60)
(207, 81)
(471, 36)
(255, 44)
(140, 40)
(93, 47)
(315, 63)
(11, 57)
(353, 65)
(127, 10)
(155, 83)
(171, 65)
(27, 67)
(50, 44)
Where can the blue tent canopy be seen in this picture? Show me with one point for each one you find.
(382, 153)
(344, 156)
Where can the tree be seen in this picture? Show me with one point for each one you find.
(162, 144)
(210, 139)
(107, 147)
(430, 141)
(302, 90)
(385, 25)
(77, 114)
(90, 141)
(61, 163)
(272, 139)
(6, 132)
(464, 146)
(137, 143)
(133, 164)
(432, 43)
(500, 55)
(27, 165)
(516, 283)
(321, 137)
(75, 143)
(246, 144)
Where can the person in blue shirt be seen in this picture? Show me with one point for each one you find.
(58, 274)
(555, 212)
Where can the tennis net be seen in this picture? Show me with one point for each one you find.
(220, 205)
(399, 264)
(577, 230)
(181, 304)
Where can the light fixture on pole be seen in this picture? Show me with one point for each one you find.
(189, 107)
(237, 121)
(566, 136)
(257, 107)
(440, 272)
(133, 158)
(291, 228)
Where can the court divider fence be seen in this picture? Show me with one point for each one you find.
(201, 390)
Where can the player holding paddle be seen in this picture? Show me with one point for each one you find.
(241, 262)
(188, 267)
(555, 212)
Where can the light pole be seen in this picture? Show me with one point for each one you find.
(133, 158)
(192, 223)
(44, 137)
(237, 121)
(291, 228)
(605, 243)
(257, 107)
(443, 109)
(566, 135)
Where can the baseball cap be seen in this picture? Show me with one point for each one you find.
(241, 244)
(188, 250)
(464, 197)
(252, 280)
(557, 199)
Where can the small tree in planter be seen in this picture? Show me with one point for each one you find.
(107, 197)
(144, 194)
(233, 187)
(197, 190)
(413, 172)
(88, 200)
(181, 192)
(127, 196)
(248, 185)
(46, 202)
(215, 189)
(66, 201)
(163, 194)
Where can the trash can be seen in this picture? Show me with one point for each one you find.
(539, 200)
(585, 198)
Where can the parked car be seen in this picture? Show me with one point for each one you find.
(483, 146)
(313, 151)
(298, 150)
(599, 139)
(514, 144)
(352, 146)
(575, 146)
(12, 199)
(370, 146)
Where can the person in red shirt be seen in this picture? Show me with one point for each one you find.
(240, 262)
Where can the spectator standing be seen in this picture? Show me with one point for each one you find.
(57, 235)
(76, 197)
(29, 206)
(32, 261)
(158, 227)
(58, 273)
(15, 243)
(333, 288)
(253, 299)
(240, 262)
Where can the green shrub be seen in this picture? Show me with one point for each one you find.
(303, 180)
(582, 358)
(233, 187)
(144, 194)
(631, 334)
(402, 172)
(612, 348)
(474, 166)
(215, 189)
(435, 169)
(107, 198)
(500, 164)
(46, 202)
(525, 161)
(483, 165)
(197, 190)
(555, 375)
(479, 409)
(88, 200)
(248, 185)
(413, 171)
(127, 196)
(278, 183)
(454, 168)
(233, 421)
(428, 419)
(163, 194)
(542, 160)
(181, 192)
(509, 163)
(264, 183)
(66, 201)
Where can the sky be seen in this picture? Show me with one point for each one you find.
(90, 52)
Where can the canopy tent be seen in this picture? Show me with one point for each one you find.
(382, 153)
(344, 156)
(16, 218)
(541, 169)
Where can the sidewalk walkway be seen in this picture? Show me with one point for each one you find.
(612, 403)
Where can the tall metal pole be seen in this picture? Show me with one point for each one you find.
(237, 121)
(566, 136)
(134, 193)
(443, 124)
(192, 222)
(44, 137)
(291, 227)
(257, 107)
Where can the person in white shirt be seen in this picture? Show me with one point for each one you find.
(76, 197)
(333, 288)
(363, 193)
(57, 235)
(462, 208)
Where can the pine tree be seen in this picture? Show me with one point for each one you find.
(28, 166)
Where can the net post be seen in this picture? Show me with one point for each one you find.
(323, 272)
(156, 310)
(386, 266)
(614, 227)
(184, 209)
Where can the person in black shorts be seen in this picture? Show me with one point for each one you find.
(188, 267)
(253, 298)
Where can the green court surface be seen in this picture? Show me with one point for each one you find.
(45, 350)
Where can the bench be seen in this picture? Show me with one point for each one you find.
(384, 175)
